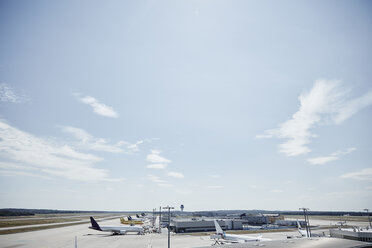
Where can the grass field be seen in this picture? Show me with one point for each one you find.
(36, 228)
(58, 220)
(330, 218)
(20, 222)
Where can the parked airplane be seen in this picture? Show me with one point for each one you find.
(233, 238)
(140, 215)
(130, 221)
(115, 229)
(302, 232)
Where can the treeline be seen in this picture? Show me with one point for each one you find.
(26, 212)
(14, 213)
(255, 212)
(29, 212)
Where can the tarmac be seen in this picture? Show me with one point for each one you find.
(64, 237)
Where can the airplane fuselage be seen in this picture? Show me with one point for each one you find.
(240, 238)
(115, 229)
(121, 229)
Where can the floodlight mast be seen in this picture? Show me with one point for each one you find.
(159, 220)
(169, 219)
(369, 218)
(308, 232)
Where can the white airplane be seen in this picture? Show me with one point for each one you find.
(302, 232)
(233, 238)
(153, 227)
(115, 229)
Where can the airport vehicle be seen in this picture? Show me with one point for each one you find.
(115, 229)
(221, 237)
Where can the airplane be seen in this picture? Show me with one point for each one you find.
(233, 238)
(115, 229)
(130, 221)
(302, 232)
(141, 215)
(152, 226)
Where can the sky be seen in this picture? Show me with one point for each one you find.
(132, 105)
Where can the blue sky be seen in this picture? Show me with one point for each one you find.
(127, 105)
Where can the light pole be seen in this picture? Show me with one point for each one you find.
(169, 218)
(160, 219)
(308, 232)
(369, 218)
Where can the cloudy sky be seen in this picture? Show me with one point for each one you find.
(127, 105)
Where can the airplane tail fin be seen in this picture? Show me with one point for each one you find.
(95, 225)
(129, 217)
(157, 222)
(299, 225)
(218, 228)
(301, 231)
(138, 216)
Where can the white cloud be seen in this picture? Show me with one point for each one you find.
(98, 107)
(183, 191)
(322, 160)
(133, 147)
(256, 186)
(165, 185)
(364, 175)
(326, 103)
(155, 157)
(347, 151)
(158, 181)
(334, 156)
(175, 174)
(47, 157)
(368, 188)
(276, 191)
(22, 173)
(155, 179)
(89, 142)
(214, 176)
(215, 187)
(9, 165)
(157, 166)
(7, 94)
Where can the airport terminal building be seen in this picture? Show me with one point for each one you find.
(180, 226)
(353, 234)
